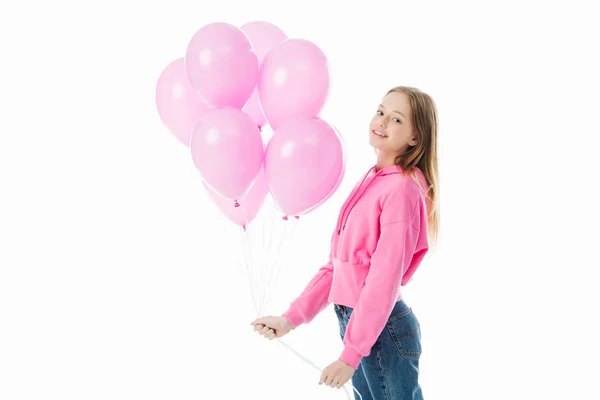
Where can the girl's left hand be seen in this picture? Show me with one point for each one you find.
(337, 374)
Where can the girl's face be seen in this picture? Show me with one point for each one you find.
(391, 128)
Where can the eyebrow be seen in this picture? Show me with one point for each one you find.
(381, 105)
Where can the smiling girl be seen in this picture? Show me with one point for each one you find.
(384, 231)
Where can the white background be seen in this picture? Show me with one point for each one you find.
(117, 282)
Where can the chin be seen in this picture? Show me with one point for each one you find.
(374, 143)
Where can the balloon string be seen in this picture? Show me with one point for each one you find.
(240, 262)
(265, 270)
(243, 268)
(279, 261)
(259, 307)
(315, 366)
(312, 364)
(245, 250)
(271, 232)
(269, 268)
(269, 247)
(249, 258)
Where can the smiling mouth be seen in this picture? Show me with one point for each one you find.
(377, 133)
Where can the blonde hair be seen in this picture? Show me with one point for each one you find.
(424, 154)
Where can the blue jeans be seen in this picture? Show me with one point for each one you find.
(391, 371)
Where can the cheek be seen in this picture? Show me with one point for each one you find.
(398, 134)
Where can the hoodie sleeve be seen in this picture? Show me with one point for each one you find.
(314, 298)
(395, 247)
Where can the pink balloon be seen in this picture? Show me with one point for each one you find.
(227, 150)
(252, 108)
(250, 204)
(222, 65)
(179, 106)
(293, 81)
(304, 164)
(263, 36)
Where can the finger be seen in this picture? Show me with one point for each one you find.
(323, 378)
(258, 327)
(264, 330)
(270, 334)
(329, 381)
(340, 384)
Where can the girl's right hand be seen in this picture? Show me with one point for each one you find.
(272, 327)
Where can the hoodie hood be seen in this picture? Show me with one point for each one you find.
(364, 184)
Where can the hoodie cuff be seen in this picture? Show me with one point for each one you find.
(294, 316)
(351, 357)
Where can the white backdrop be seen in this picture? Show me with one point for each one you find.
(116, 281)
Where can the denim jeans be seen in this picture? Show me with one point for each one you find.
(391, 371)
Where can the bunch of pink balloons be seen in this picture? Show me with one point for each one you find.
(230, 84)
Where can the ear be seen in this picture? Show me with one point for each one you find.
(413, 142)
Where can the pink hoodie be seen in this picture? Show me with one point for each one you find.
(378, 243)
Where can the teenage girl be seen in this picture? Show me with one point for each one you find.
(383, 232)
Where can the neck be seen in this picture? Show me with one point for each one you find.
(385, 160)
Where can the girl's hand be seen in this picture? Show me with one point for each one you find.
(337, 374)
(272, 327)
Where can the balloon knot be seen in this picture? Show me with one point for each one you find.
(244, 226)
(297, 217)
(236, 204)
(285, 217)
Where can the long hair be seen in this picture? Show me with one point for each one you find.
(424, 154)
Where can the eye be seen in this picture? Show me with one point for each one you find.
(397, 120)
(379, 112)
